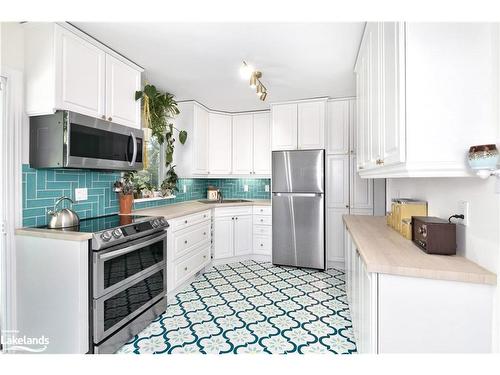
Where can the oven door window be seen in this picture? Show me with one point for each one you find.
(89, 142)
(127, 265)
(125, 303)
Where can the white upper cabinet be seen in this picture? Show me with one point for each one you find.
(415, 105)
(68, 70)
(261, 144)
(284, 126)
(219, 143)
(338, 120)
(361, 190)
(81, 84)
(243, 144)
(121, 84)
(337, 181)
(311, 125)
(298, 125)
(200, 140)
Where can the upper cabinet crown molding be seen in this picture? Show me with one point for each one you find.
(422, 98)
(68, 70)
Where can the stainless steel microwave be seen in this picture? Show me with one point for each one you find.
(71, 140)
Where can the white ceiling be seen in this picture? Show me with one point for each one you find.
(201, 61)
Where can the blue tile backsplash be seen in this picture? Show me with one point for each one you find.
(41, 187)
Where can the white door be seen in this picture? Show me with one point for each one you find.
(361, 191)
(311, 125)
(223, 237)
(337, 181)
(242, 144)
(261, 144)
(284, 126)
(243, 235)
(393, 129)
(219, 144)
(338, 115)
(122, 81)
(200, 140)
(335, 234)
(374, 98)
(81, 79)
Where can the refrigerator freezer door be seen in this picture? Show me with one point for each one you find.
(298, 171)
(298, 230)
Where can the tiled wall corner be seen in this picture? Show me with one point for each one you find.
(41, 187)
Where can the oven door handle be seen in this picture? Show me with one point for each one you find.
(128, 249)
(134, 153)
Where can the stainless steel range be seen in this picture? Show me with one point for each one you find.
(128, 277)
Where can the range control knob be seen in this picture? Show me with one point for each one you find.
(155, 223)
(163, 222)
(106, 236)
(117, 233)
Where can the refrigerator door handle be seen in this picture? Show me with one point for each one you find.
(312, 195)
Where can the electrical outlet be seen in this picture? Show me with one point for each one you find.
(463, 209)
(184, 188)
(245, 187)
(266, 188)
(81, 194)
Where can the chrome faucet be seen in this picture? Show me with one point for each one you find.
(220, 198)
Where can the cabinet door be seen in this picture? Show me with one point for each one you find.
(219, 144)
(243, 226)
(353, 133)
(80, 78)
(393, 129)
(200, 140)
(361, 190)
(261, 144)
(338, 181)
(311, 125)
(242, 144)
(223, 237)
(335, 234)
(284, 126)
(362, 107)
(338, 127)
(368, 311)
(374, 128)
(122, 81)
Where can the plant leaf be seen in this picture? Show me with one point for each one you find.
(138, 95)
(183, 136)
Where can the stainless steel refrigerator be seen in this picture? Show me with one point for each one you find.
(298, 203)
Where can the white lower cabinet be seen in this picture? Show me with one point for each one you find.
(262, 230)
(335, 234)
(188, 247)
(233, 232)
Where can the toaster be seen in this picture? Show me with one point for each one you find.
(434, 235)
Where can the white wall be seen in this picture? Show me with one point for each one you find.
(480, 240)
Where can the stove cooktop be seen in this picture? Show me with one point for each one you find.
(98, 224)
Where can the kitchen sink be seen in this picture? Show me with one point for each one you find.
(224, 201)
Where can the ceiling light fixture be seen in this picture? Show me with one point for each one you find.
(254, 76)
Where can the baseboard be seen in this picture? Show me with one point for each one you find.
(255, 257)
(339, 264)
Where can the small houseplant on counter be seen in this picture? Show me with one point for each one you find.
(157, 109)
(125, 188)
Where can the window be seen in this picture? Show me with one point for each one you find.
(154, 160)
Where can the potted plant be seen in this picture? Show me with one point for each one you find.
(169, 184)
(157, 109)
(125, 188)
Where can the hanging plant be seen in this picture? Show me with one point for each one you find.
(157, 109)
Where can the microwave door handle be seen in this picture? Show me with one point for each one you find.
(134, 154)
(129, 249)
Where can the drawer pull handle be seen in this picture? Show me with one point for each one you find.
(261, 210)
(185, 221)
(204, 257)
(204, 233)
(204, 215)
(185, 241)
(236, 218)
(185, 268)
(261, 244)
(261, 220)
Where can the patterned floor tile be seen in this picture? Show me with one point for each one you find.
(253, 307)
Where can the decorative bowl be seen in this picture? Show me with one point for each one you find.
(483, 157)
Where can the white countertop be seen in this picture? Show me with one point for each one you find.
(169, 211)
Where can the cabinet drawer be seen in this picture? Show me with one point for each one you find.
(262, 243)
(262, 230)
(186, 239)
(188, 220)
(262, 220)
(188, 266)
(233, 211)
(262, 210)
